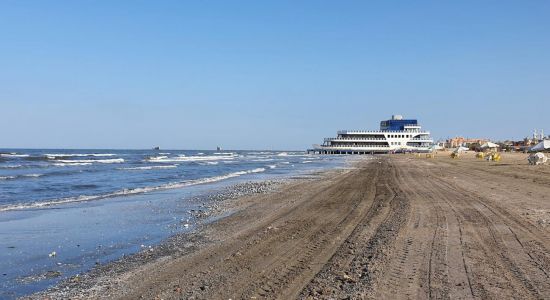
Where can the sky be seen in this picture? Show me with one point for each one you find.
(267, 74)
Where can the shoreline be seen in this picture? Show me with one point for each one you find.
(214, 206)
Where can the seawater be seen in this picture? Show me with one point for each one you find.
(93, 206)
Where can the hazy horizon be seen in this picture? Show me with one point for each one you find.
(267, 75)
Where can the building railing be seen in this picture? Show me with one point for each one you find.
(380, 131)
(355, 146)
(355, 139)
(371, 139)
(372, 146)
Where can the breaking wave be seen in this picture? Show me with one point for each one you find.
(55, 155)
(125, 192)
(91, 161)
(13, 155)
(11, 167)
(71, 164)
(20, 176)
(208, 163)
(150, 167)
(183, 158)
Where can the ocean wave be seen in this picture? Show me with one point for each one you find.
(91, 161)
(150, 167)
(55, 155)
(126, 192)
(191, 158)
(292, 154)
(155, 158)
(11, 166)
(36, 158)
(272, 166)
(263, 159)
(307, 161)
(71, 164)
(33, 175)
(12, 177)
(13, 154)
(208, 163)
(164, 153)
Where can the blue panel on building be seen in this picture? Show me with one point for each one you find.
(396, 125)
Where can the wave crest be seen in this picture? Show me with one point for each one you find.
(125, 192)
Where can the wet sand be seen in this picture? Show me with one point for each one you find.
(396, 226)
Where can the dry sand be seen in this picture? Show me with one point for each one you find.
(394, 227)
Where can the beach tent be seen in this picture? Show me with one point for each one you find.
(489, 145)
(542, 146)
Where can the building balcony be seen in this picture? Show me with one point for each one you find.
(354, 139)
(381, 132)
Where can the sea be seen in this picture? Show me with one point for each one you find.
(64, 211)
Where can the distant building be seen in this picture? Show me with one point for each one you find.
(464, 142)
(395, 135)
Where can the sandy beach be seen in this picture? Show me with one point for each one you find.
(396, 226)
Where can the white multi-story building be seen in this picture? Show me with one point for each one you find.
(395, 135)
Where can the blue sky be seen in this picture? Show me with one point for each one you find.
(267, 74)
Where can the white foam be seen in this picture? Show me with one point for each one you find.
(209, 163)
(307, 161)
(33, 175)
(19, 176)
(126, 192)
(263, 159)
(272, 166)
(11, 166)
(71, 164)
(91, 161)
(150, 167)
(155, 158)
(166, 159)
(54, 155)
(282, 154)
(164, 153)
(13, 155)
